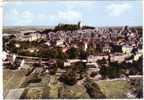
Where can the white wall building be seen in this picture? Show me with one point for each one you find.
(126, 49)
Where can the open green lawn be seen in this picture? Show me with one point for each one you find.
(114, 89)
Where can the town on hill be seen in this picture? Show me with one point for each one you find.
(72, 61)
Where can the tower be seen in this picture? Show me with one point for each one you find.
(79, 24)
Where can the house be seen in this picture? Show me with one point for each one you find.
(59, 72)
(24, 66)
(38, 70)
(24, 35)
(50, 64)
(90, 70)
(73, 60)
(92, 58)
(67, 64)
(118, 57)
(92, 64)
(60, 43)
(107, 49)
(64, 50)
(8, 36)
(93, 73)
(47, 43)
(126, 49)
(30, 36)
(137, 56)
(85, 46)
(4, 55)
(36, 36)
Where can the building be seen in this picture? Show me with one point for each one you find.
(106, 49)
(30, 36)
(92, 58)
(60, 43)
(126, 49)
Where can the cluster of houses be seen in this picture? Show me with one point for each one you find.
(104, 39)
(116, 42)
(113, 40)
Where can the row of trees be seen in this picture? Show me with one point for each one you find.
(116, 70)
(74, 73)
(52, 52)
(42, 50)
(67, 27)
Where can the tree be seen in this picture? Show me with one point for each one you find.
(102, 62)
(37, 65)
(136, 67)
(70, 77)
(103, 71)
(93, 89)
(91, 51)
(60, 54)
(74, 73)
(73, 53)
(52, 67)
(53, 53)
(79, 67)
(60, 63)
(113, 70)
(66, 27)
(53, 70)
(83, 54)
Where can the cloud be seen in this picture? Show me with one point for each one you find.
(14, 12)
(18, 3)
(69, 16)
(41, 16)
(26, 17)
(27, 14)
(78, 4)
(118, 9)
(14, 3)
(19, 18)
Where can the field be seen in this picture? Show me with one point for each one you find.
(114, 89)
(110, 88)
(12, 79)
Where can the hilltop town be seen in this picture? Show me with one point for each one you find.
(72, 61)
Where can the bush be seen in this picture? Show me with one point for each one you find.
(114, 70)
(73, 53)
(69, 77)
(93, 90)
(53, 70)
(74, 73)
(60, 63)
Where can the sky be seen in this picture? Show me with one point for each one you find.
(95, 13)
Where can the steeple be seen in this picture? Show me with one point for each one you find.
(79, 24)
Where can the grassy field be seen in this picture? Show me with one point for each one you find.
(12, 79)
(114, 89)
(53, 89)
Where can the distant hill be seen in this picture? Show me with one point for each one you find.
(17, 29)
